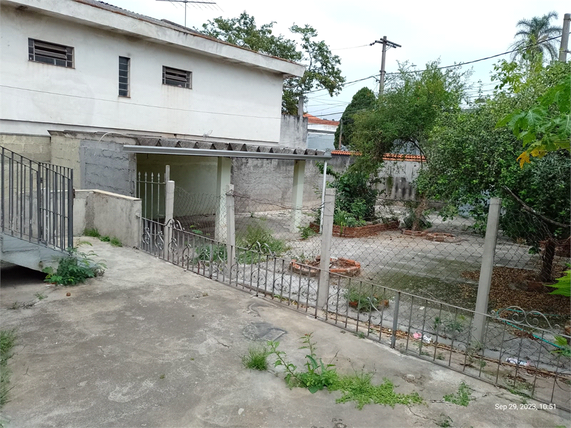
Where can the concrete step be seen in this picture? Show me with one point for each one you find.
(28, 254)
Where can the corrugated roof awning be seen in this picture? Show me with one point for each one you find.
(162, 146)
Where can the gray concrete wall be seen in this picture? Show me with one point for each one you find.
(105, 166)
(113, 215)
(34, 147)
(269, 184)
(293, 131)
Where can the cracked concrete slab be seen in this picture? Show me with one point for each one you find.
(149, 345)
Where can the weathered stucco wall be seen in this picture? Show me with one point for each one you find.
(293, 131)
(34, 147)
(113, 215)
(228, 99)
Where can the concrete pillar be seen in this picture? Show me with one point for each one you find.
(223, 177)
(297, 194)
(169, 212)
(231, 227)
(486, 269)
(326, 239)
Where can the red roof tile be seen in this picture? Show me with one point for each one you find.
(387, 157)
(318, 121)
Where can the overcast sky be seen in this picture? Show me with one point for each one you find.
(452, 31)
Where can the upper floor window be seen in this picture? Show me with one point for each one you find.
(176, 77)
(50, 53)
(124, 65)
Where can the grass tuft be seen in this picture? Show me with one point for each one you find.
(257, 358)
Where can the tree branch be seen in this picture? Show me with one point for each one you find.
(532, 211)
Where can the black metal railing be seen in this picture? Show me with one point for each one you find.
(36, 201)
(524, 352)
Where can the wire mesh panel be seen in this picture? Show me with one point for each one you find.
(407, 290)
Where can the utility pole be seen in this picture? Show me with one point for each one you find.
(340, 133)
(189, 1)
(385, 43)
(564, 49)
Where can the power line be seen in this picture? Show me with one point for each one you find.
(447, 66)
(351, 47)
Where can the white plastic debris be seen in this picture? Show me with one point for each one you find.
(518, 362)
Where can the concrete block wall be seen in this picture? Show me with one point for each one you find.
(113, 215)
(269, 184)
(34, 147)
(105, 166)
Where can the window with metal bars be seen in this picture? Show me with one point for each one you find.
(50, 53)
(124, 68)
(176, 77)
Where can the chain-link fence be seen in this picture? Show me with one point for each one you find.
(413, 288)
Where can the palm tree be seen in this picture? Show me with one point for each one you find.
(533, 38)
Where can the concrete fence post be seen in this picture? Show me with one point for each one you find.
(169, 212)
(326, 239)
(487, 268)
(230, 227)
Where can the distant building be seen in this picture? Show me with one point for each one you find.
(320, 133)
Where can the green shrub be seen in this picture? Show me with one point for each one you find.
(214, 252)
(92, 232)
(74, 269)
(362, 301)
(115, 242)
(259, 239)
(306, 232)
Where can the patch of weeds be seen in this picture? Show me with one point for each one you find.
(40, 296)
(360, 335)
(258, 239)
(445, 421)
(440, 356)
(317, 375)
(7, 342)
(563, 347)
(94, 233)
(358, 388)
(462, 397)
(105, 238)
(75, 268)
(257, 358)
(214, 252)
(361, 300)
(450, 325)
(306, 232)
(15, 305)
(162, 376)
(115, 242)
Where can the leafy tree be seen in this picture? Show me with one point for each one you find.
(471, 159)
(404, 116)
(322, 67)
(363, 100)
(546, 125)
(532, 40)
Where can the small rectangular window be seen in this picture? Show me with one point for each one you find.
(124, 65)
(50, 53)
(175, 77)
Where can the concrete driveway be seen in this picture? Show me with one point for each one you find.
(149, 345)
